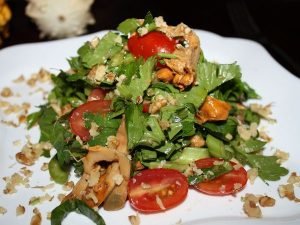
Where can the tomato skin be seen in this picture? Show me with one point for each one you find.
(145, 188)
(76, 119)
(146, 107)
(97, 94)
(150, 44)
(224, 184)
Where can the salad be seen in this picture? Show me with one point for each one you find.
(142, 116)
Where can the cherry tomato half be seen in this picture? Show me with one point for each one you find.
(226, 184)
(150, 44)
(97, 94)
(155, 190)
(76, 119)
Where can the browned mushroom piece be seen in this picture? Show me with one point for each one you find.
(187, 55)
(105, 184)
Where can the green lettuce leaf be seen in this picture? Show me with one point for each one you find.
(108, 46)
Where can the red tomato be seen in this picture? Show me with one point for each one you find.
(146, 106)
(97, 94)
(150, 44)
(76, 119)
(226, 184)
(156, 190)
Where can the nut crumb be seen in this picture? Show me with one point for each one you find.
(6, 92)
(20, 210)
(2, 210)
(36, 218)
(134, 219)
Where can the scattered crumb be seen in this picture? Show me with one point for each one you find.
(2, 210)
(36, 218)
(12, 182)
(17, 142)
(31, 152)
(264, 111)
(68, 186)
(46, 187)
(61, 197)
(282, 156)
(48, 216)
(6, 92)
(20, 79)
(253, 202)
(20, 210)
(40, 199)
(266, 201)
(294, 179)
(41, 76)
(252, 175)
(134, 219)
(44, 167)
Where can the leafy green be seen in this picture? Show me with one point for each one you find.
(135, 121)
(107, 127)
(33, 118)
(107, 47)
(153, 135)
(196, 95)
(46, 122)
(210, 173)
(217, 148)
(268, 168)
(191, 154)
(75, 205)
(68, 92)
(211, 75)
(128, 26)
(236, 90)
(135, 89)
(221, 129)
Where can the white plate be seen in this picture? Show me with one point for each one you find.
(275, 84)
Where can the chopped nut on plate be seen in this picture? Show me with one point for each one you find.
(20, 210)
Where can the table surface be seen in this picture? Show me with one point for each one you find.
(273, 23)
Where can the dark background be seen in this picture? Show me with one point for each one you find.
(273, 23)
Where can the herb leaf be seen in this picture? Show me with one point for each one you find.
(75, 205)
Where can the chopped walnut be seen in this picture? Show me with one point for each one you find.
(134, 219)
(44, 167)
(294, 179)
(40, 199)
(19, 79)
(287, 190)
(2, 210)
(251, 207)
(41, 76)
(15, 180)
(20, 210)
(61, 197)
(282, 156)
(36, 218)
(68, 186)
(31, 152)
(252, 174)
(266, 201)
(6, 92)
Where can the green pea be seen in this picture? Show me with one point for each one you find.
(58, 174)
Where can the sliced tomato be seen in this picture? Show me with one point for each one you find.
(146, 106)
(76, 119)
(155, 190)
(150, 44)
(226, 184)
(97, 94)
